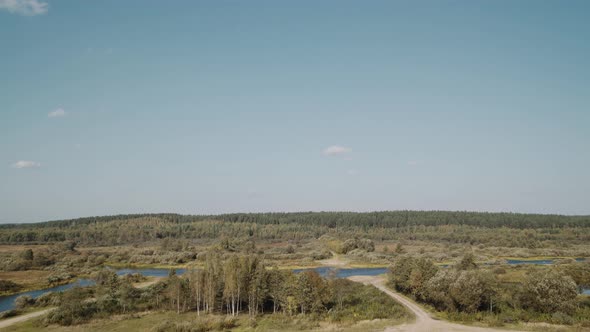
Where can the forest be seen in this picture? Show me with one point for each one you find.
(509, 229)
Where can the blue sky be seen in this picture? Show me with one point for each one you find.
(196, 107)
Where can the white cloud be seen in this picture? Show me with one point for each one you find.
(56, 113)
(336, 150)
(26, 164)
(24, 7)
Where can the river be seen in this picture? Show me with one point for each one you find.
(7, 302)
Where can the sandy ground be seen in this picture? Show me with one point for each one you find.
(147, 283)
(335, 261)
(423, 320)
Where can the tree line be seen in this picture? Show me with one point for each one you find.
(387, 219)
(467, 289)
(502, 229)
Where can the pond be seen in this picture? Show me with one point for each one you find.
(536, 261)
(348, 272)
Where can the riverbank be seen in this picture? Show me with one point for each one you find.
(30, 280)
(39, 287)
(150, 266)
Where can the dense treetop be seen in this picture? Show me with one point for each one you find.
(508, 229)
(340, 219)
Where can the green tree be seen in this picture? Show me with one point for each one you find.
(410, 275)
(399, 274)
(276, 284)
(550, 291)
(107, 281)
(467, 263)
(231, 285)
(128, 296)
(311, 292)
(423, 270)
(437, 290)
(472, 290)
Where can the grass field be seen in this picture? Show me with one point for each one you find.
(157, 321)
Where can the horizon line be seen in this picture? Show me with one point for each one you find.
(293, 212)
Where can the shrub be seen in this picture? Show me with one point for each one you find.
(135, 277)
(321, 255)
(73, 308)
(561, 318)
(41, 260)
(9, 313)
(24, 301)
(59, 278)
(9, 286)
(47, 299)
(352, 244)
(27, 255)
(19, 264)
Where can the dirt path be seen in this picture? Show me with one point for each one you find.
(423, 320)
(22, 318)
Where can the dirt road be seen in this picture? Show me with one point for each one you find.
(424, 322)
(22, 318)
